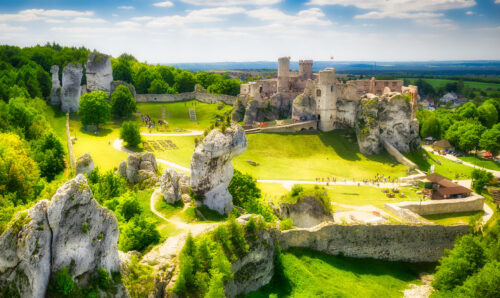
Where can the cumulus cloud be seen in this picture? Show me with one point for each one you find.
(88, 20)
(163, 4)
(400, 5)
(469, 13)
(125, 7)
(230, 2)
(312, 16)
(193, 16)
(30, 15)
(9, 28)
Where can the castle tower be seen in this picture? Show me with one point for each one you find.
(305, 68)
(326, 99)
(283, 74)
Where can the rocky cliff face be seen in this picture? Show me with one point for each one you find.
(386, 118)
(304, 107)
(98, 72)
(55, 93)
(84, 164)
(238, 112)
(71, 230)
(255, 269)
(212, 169)
(251, 112)
(139, 168)
(306, 212)
(173, 185)
(71, 90)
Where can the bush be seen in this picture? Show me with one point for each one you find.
(286, 224)
(64, 283)
(480, 178)
(103, 279)
(130, 133)
(130, 206)
(138, 234)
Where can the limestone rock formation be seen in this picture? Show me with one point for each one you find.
(173, 185)
(115, 85)
(238, 112)
(306, 212)
(386, 118)
(140, 167)
(304, 107)
(84, 164)
(256, 268)
(251, 112)
(98, 72)
(55, 93)
(71, 91)
(71, 230)
(212, 169)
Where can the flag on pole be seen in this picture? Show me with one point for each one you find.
(331, 57)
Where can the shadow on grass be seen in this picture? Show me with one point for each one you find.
(418, 158)
(101, 132)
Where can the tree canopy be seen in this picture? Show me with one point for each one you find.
(94, 108)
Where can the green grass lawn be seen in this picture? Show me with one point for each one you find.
(177, 113)
(367, 195)
(181, 155)
(481, 162)
(453, 218)
(166, 229)
(447, 168)
(307, 156)
(308, 273)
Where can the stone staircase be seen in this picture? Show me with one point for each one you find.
(192, 115)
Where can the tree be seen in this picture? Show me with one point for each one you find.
(64, 283)
(184, 82)
(216, 287)
(430, 127)
(466, 258)
(487, 114)
(122, 102)
(138, 234)
(130, 133)
(158, 86)
(122, 70)
(94, 108)
(49, 154)
(130, 206)
(465, 135)
(468, 110)
(228, 87)
(490, 139)
(480, 178)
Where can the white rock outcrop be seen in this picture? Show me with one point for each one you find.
(173, 185)
(84, 164)
(71, 90)
(55, 93)
(212, 169)
(98, 72)
(139, 167)
(71, 230)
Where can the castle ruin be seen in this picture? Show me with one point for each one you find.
(334, 104)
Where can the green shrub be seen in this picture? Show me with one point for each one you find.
(103, 279)
(130, 206)
(85, 227)
(216, 288)
(286, 224)
(64, 283)
(238, 238)
(138, 234)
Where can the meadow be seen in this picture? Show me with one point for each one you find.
(311, 155)
(442, 165)
(481, 162)
(306, 273)
(437, 83)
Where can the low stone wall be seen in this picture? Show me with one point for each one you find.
(398, 156)
(472, 203)
(301, 126)
(409, 243)
(72, 161)
(405, 214)
(200, 95)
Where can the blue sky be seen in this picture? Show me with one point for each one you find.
(160, 31)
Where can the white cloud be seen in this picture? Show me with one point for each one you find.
(497, 1)
(9, 28)
(400, 5)
(30, 15)
(163, 4)
(193, 16)
(88, 20)
(312, 16)
(230, 2)
(398, 15)
(125, 7)
(469, 13)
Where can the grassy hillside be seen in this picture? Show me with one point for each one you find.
(447, 168)
(307, 156)
(313, 274)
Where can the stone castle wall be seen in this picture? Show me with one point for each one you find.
(397, 155)
(409, 243)
(472, 203)
(200, 95)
